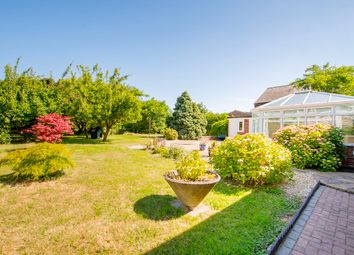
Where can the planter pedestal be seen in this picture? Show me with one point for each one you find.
(191, 193)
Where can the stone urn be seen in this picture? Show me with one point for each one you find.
(202, 146)
(189, 193)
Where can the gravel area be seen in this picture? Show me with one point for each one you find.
(302, 183)
(305, 180)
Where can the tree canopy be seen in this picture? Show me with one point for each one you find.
(154, 117)
(187, 118)
(92, 97)
(328, 78)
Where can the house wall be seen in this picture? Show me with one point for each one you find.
(233, 124)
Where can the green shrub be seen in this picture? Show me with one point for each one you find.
(252, 159)
(219, 128)
(4, 137)
(170, 134)
(41, 161)
(318, 146)
(192, 167)
(170, 152)
(155, 143)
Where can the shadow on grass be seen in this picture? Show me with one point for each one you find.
(248, 226)
(12, 180)
(81, 140)
(157, 207)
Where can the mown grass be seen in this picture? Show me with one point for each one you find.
(116, 202)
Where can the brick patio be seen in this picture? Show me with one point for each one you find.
(325, 226)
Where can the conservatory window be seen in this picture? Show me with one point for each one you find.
(345, 109)
(326, 119)
(272, 113)
(327, 110)
(271, 125)
(346, 122)
(256, 126)
(310, 120)
(294, 112)
(288, 121)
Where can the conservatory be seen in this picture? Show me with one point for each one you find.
(306, 107)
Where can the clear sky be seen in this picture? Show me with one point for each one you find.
(224, 53)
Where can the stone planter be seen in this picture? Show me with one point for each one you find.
(191, 193)
(202, 146)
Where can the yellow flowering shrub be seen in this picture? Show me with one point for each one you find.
(252, 159)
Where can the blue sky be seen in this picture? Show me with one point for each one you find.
(224, 53)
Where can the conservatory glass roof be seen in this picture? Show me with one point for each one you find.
(307, 98)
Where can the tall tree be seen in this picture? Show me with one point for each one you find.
(95, 98)
(23, 97)
(154, 116)
(187, 118)
(328, 78)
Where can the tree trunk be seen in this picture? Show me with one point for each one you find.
(105, 134)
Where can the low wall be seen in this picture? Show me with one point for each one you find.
(349, 156)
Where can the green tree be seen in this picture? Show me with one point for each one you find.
(95, 98)
(187, 118)
(328, 78)
(213, 118)
(219, 128)
(23, 97)
(76, 100)
(154, 116)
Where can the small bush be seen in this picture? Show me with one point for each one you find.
(170, 152)
(51, 128)
(41, 161)
(192, 167)
(318, 146)
(252, 159)
(170, 134)
(4, 137)
(155, 143)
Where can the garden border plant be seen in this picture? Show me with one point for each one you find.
(318, 146)
(252, 159)
(39, 162)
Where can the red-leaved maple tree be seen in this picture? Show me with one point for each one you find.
(51, 128)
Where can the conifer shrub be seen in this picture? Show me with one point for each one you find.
(252, 159)
(187, 118)
(318, 146)
(39, 162)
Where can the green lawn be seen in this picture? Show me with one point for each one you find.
(115, 201)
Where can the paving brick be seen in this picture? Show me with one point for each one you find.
(326, 226)
(337, 250)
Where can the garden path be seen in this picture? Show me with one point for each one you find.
(324, 226)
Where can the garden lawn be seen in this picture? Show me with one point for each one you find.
(115, 201)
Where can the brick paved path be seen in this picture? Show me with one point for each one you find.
(326, 226)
